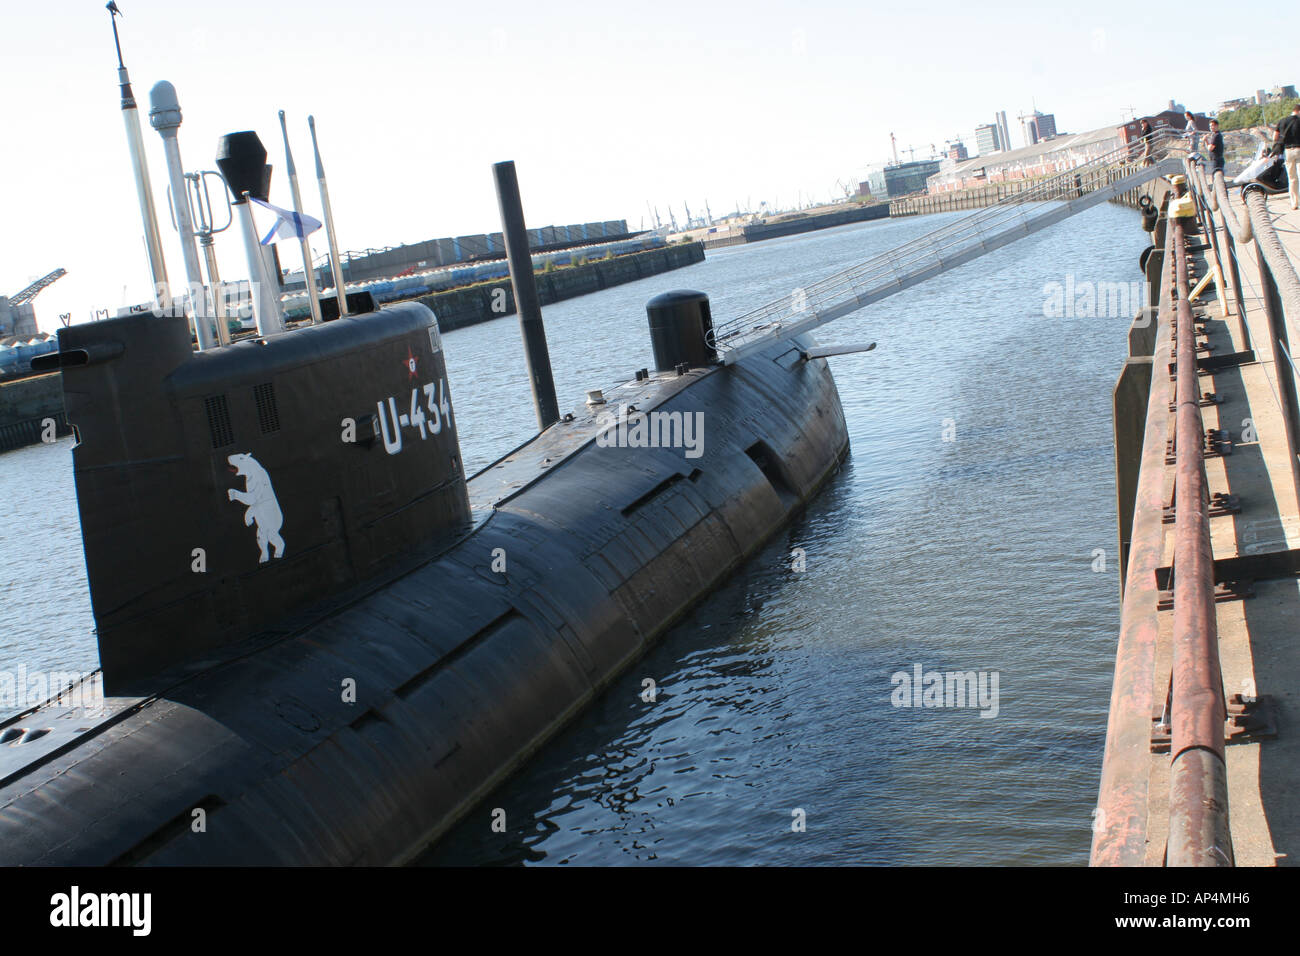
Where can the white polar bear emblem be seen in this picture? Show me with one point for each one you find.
(263, 506)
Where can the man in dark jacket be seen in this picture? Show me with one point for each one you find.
(1214, 146)
(1288, 139)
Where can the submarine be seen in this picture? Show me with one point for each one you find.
(320, 641)
(373, 640)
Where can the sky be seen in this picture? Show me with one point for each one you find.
(604, 107)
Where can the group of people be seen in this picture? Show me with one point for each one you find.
(1286, 143)
(1191, 132)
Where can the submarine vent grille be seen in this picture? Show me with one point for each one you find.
(219, 421)
(268, 413)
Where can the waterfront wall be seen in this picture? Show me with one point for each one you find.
(24, 406)
(756, 232)
(976, 198)
(457, 249)
(457, 308)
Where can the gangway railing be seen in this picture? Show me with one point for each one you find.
(1070, 192)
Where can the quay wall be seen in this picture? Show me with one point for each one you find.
(24, 406)
(756, 232)
(457, 308)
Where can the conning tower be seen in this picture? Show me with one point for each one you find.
(221, 490)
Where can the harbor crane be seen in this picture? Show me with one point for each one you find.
(37, 287)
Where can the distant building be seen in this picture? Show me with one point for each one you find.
(1228, 106)
(1062, 152)
(1283, 93)
(902, 179)
(1044, 124)
(957, 151)
(1004, 131)
(987, 140)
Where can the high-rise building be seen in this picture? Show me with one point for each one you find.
(987, 139)
(957, 152)
(1004, 131)
(1045, 124)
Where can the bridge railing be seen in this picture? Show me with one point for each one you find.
(934, 251)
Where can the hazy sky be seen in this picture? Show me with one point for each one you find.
(603, 106)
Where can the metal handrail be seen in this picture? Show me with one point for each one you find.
(927, 253)
(1199, 834)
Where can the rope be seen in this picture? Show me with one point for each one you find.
(1269, 245)
(1241, 230)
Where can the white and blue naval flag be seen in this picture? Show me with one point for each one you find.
(288, 224)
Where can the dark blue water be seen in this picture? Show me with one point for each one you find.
(970, 554)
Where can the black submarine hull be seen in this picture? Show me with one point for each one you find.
(364, 727)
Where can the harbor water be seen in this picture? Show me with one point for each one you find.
(971, 530)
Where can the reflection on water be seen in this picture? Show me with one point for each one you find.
(774, 696)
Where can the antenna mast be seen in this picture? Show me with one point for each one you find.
(140, 167)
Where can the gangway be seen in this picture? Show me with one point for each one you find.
(1056, 198)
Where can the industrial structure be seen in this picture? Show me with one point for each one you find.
(17, 315)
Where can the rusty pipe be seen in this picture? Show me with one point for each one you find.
(1198, 786)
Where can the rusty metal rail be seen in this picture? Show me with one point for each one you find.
(1198, 776)
(1198, 832)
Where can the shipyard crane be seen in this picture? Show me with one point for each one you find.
(37, 287)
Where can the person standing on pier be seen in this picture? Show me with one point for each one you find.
(1214, 145)
(1190, 130)
(1288, 140)
(1144, 131)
